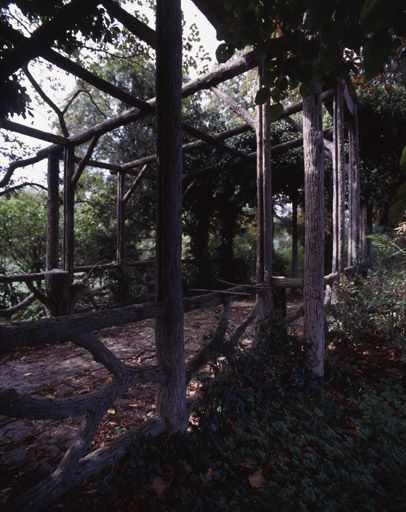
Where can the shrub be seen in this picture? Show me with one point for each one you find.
(373, 308)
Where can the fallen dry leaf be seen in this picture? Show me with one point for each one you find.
(159, 486)
(257, 479)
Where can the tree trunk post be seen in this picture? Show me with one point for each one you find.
(354, 191)
(59, 300)
(350, 202)
(120, 209)
(294, 270)
(52, 256)
(264, 207)
(68, 210)
(313, 282)
(171, 400)
(338, 181)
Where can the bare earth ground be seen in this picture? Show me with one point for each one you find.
(30, 450)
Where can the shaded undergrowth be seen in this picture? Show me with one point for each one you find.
(268, 437)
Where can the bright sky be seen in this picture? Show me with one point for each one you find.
(42, 120)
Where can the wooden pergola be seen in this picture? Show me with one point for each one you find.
(171, 374)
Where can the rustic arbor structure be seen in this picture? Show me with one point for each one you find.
(171, 374)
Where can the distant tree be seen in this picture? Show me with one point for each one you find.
(382, 138)
(22, 232)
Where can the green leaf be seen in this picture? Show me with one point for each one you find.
(275, 111)
(402, 163)
(224, 52)
(262, 95)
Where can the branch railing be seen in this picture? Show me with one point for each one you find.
(279, 282)
(76, 465)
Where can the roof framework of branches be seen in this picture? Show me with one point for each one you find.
(57, 30)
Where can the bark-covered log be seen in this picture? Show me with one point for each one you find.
(188, 146)
(56, 485)
(83, 162)
(354, 191)
(19, 405)
(214, 77)
(68, 211)
(135, 26)
(5, 180)
(238, 163)
(9, 312)
(52, 243)
(212, 348)
(264, 208)
(169, 328)
(313, 286)
(44, 36)
(295, 239)
(338, 181)
(135, 184)
(12, 126)
(57, 330)
(58, 293)
(213, 141)
(120, 213)
(235, 107)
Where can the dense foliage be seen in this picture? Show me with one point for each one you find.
(372, 309)
(268, 437)
(306, 39)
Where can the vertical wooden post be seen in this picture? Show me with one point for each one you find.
(52, 211)
(313, 283)
(354, 191)
(264, 207)
(120, 209)
(68, 210)
(338, 181)
(169, 328)
(294, 270)
(350, 202)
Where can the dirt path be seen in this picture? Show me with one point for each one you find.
(30, 450)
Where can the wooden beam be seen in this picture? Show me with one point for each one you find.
(214, 77)
(221, 73)
(34, 132)
(264, 212)
(52, 243)
(313, 281)
(135, 26)
(235, 107)
(209, 139)
(83, 162)
(188, 146)
(68, 212)
(62, 329)
(120, 212)
(236, 163)
(171, 399)
(354, 191)
(295, 238)
(135, 183)
(75, 69)
(44, 36)
(338, 181)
